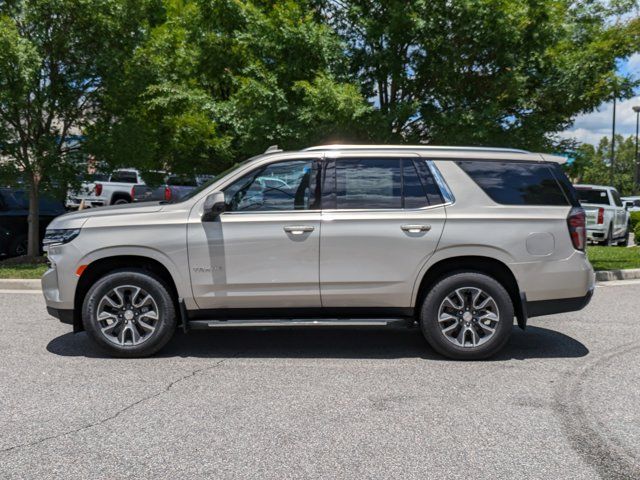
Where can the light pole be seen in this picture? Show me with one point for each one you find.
(635, 176)
(613, 143)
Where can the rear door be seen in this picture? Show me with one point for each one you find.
(382, 218)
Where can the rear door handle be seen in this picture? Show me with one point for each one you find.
(298, 229)
(416, 228)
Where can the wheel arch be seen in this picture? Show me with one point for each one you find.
(475, 263)
(115, 196)
(102, 266)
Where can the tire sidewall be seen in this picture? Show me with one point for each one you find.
(152, 285)
(19, 246)
(429, 315)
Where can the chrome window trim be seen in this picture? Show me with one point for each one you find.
(381, 210)
(445, 191)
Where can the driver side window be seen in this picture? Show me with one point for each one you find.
(287, 185)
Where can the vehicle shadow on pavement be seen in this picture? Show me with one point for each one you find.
(366, 343)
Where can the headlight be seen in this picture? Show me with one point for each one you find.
(59, 237)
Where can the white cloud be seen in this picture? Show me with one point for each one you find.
(633, 63)
(591, 127)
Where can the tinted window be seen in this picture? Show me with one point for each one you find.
(433, 192)
(124, 177)
(280, 186)
(516, 183)
(616, 198)
(566, 185)
(593, 195)
(412, 188)
(177, 181)
(368, 183)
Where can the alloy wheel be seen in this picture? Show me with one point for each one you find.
(127, 315)
(468, 317)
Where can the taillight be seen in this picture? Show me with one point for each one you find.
(600, 216)
(98, 189)
(576, 221)
(132, 192)
(167, 194)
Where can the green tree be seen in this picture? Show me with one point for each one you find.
(485, 72)
(220, 80)
(596, 164)
(55, 57)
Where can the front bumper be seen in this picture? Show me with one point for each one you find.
(65, 316)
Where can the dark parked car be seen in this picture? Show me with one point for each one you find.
(14, 211)
(174, 188)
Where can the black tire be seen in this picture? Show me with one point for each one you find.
(19, 246)
(165, 325)
(624, 242)
(121, 201)
(431, 327)
(608, 242)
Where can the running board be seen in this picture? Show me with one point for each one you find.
(302, 322)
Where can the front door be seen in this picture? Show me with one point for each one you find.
(263, 251)
(383, 222)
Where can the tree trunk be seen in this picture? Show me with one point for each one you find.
(33, 245)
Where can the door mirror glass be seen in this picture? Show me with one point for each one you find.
(213, 206)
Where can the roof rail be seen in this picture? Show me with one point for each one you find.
(413, 147)
(273, 149)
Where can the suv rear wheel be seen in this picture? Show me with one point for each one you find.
(129, 313)
(467, 316)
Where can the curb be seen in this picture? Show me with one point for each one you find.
(609, 275)
(19, 284)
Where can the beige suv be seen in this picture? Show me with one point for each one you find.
(458, 240)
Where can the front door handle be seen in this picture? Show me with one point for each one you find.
(416, 228)
(299, 229)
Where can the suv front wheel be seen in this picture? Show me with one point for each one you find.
(467, 316)
(129, 313)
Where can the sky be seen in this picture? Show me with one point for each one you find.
(591, 127)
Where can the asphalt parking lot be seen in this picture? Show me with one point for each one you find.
(563, 401)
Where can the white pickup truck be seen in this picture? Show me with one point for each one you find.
(118, 190)
(607, 218)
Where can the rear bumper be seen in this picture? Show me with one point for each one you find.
(558, 305)
(596, 233)
(88, 202)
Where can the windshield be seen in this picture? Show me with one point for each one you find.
(592, 195)
(208, 183)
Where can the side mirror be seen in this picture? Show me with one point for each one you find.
(213, 206)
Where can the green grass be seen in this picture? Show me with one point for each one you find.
(23, 268)
(614, 258)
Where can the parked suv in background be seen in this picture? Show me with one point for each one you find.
(458, 240)
(607, 217)
(14, 212)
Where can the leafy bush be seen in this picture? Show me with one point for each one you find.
(634, 218)
(636, 233)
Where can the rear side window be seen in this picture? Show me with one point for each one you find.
(616, 198)
(368, 183)
(597, 196)
(124, 177)
(516, 183)
(380, 183)
(566, 185)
